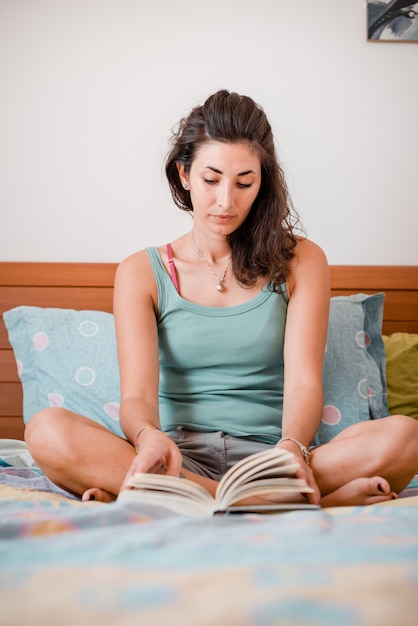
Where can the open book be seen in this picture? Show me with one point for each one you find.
(268, 476)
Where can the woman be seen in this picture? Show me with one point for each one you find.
(221, 338)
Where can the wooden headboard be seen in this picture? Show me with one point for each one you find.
(90, 286)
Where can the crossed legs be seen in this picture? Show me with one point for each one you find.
(367, 463)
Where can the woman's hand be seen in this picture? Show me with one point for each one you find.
(279, 497)
(305, 471)
(156, 453)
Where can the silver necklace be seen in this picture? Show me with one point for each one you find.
(220, 286)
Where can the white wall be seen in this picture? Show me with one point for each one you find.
(90, 90)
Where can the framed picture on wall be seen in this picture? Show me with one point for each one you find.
(392, 20)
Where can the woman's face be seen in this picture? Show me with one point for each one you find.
(224, 181)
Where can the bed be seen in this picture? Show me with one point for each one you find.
(66, 562)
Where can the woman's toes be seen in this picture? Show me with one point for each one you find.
(380, 486)
(360, 491)
(100, 495)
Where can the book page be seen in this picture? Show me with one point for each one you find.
(268, 508)
(277, 490)
(274, 462)
(179, 503)
(171, 484)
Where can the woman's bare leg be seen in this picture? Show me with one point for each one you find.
(368, 462)
(83, 457)
(77, 454)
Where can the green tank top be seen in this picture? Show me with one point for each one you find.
(221, 368)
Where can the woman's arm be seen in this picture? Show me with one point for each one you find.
(135, 303)
(305, 340)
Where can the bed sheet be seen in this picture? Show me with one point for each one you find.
(66, 562)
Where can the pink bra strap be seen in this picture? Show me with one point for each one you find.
(172, 267)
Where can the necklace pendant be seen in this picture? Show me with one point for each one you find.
(220, 286)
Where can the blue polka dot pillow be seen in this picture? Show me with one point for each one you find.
(68, 358)
(354, 373)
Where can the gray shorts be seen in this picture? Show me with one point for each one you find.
(212, 454)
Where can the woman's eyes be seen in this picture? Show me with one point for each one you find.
(210, 181)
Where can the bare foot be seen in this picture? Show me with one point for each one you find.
(360, 491)
(100, 495)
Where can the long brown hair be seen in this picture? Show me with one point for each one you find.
(265, 241)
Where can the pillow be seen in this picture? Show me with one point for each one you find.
(354, 366)
(68, 358)
(402, 373)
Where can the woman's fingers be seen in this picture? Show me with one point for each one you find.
(156, 453)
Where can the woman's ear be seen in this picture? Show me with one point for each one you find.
(184, 178)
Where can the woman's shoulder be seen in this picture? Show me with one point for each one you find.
(307, 251)
(309, 264)
(133, 261)
(135, 281)
(136, 266)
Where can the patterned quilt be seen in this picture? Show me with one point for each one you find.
(64, 562)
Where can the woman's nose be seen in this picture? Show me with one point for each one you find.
(225, 197)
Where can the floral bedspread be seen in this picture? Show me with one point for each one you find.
(64, 562)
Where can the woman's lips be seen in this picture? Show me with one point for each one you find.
(223, 219)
